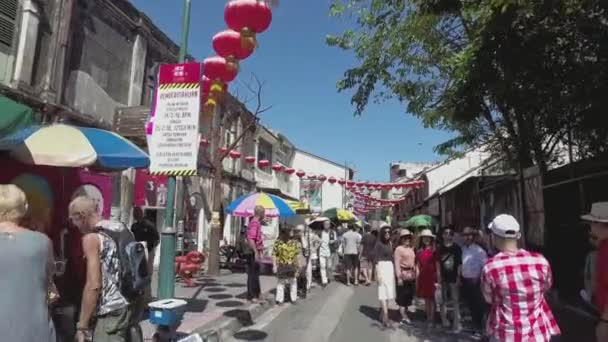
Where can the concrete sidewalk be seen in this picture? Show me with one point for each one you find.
(216, 305)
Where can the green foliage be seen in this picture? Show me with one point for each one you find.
(513, 75)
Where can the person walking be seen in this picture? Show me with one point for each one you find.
(145, 231)
(256, 244)
(385, 269)
(366, 259)
(598, 218)
(426, 263)
(514, 282)
(285, 265)
(328, 241)
(26, 265)
(405, 270)
(473, 259)
(449, 262)
(105, 312)
(351, 241)
(311, 243)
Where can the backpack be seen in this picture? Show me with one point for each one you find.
(135, 277)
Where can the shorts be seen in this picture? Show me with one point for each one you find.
(351, 261)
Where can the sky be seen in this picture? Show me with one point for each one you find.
(300, 73)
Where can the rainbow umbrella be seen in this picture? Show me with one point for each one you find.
(71, 146)
(274, 205)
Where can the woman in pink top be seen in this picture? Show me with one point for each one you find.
(405, 270)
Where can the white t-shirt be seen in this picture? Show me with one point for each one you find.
(351, 241)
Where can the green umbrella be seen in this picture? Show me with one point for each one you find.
(416, 221)
(14, 116)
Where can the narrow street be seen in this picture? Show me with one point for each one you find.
(338, 314)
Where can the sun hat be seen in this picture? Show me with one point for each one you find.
(405, 232)
(599, 213)
(505, 226)
(385, 225)
(426, 233)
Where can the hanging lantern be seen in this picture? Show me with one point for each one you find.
(300, 174)
(341, 181)
(249, 17)
(216, 69)
(235, 154)
(250, 160)
(290, 171)
(227, 44)
(350, 183)
(332, 180)
(277, 167)
(263, 163)
(387, 186)
(204, 142)
(322, 178)
(223, 150)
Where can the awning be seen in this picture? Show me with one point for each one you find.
(14, 116)
(71, 146)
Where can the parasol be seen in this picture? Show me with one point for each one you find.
(274, 205)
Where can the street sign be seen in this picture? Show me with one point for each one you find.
(174, 140)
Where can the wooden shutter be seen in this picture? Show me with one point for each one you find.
(8, 20)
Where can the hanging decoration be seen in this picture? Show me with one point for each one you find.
(250, 160)
(290, 171)
(263, 163)
(300, 174)
(332, 180)
(234, 154)
(227, 44)
(322, 178)
(277, 167)
(249, 17)
(341, 181)
(219, 74)
(223, 150)
(204, 142)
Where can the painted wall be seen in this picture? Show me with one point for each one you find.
(332, 195)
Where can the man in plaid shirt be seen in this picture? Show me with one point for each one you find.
(514, 282)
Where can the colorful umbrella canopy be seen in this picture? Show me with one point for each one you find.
(274, 205)
(14, 116)
(341, 215)
(71, 146)
(425, 221)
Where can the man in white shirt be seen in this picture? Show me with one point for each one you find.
(328, 238)
(473, 259)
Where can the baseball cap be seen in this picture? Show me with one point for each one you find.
(505, 226)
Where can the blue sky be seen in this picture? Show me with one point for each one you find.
(300, 73)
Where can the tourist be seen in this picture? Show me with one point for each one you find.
(514, 282)
(449, 262)
(405, 270)
(473, 259)
(256, 244)
(26, 265)
(351, 241)
(426, 262)
(105, 312)
(599, 228)
(385, 272)
(366, 258)
(326, 250)
(285, 264)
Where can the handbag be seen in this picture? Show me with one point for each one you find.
(408, 274)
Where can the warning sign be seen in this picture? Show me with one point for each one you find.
(174, 140)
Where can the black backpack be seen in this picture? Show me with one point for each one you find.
(135, 277)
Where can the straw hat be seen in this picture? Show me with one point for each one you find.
(405, 232)
(599, 213)
(426, 233)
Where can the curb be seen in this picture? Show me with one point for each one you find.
(221, 329)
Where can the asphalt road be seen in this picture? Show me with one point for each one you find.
(338, 314)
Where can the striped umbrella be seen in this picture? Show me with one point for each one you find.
(274, 206)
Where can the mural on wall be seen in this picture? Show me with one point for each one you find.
(149, 191)
(311, 192)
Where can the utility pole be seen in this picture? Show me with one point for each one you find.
(166, 273)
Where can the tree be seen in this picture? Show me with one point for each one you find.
(516, 76)
(216, 125)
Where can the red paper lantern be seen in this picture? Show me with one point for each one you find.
(249, 17)
(290, 171)
(277, 167)
(263, 163)
(235, 154)
(250, 160)
(350, 183)
(332, 180)
(387, 186)
(227, 44)
(300, 173)
(322, 178)
(341, 181)
(204, 142)
(216, 69)
(223, 150)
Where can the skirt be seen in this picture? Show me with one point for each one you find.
(386, 273)
(405, 293)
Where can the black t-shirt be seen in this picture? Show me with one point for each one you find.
(146, 231)
(450, 258)
(368, 243)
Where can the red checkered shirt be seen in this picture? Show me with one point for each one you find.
(515, 285)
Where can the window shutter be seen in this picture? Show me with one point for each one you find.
(8, 16)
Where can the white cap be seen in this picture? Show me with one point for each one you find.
(505, 226)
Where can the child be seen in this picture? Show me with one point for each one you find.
(426, 263)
